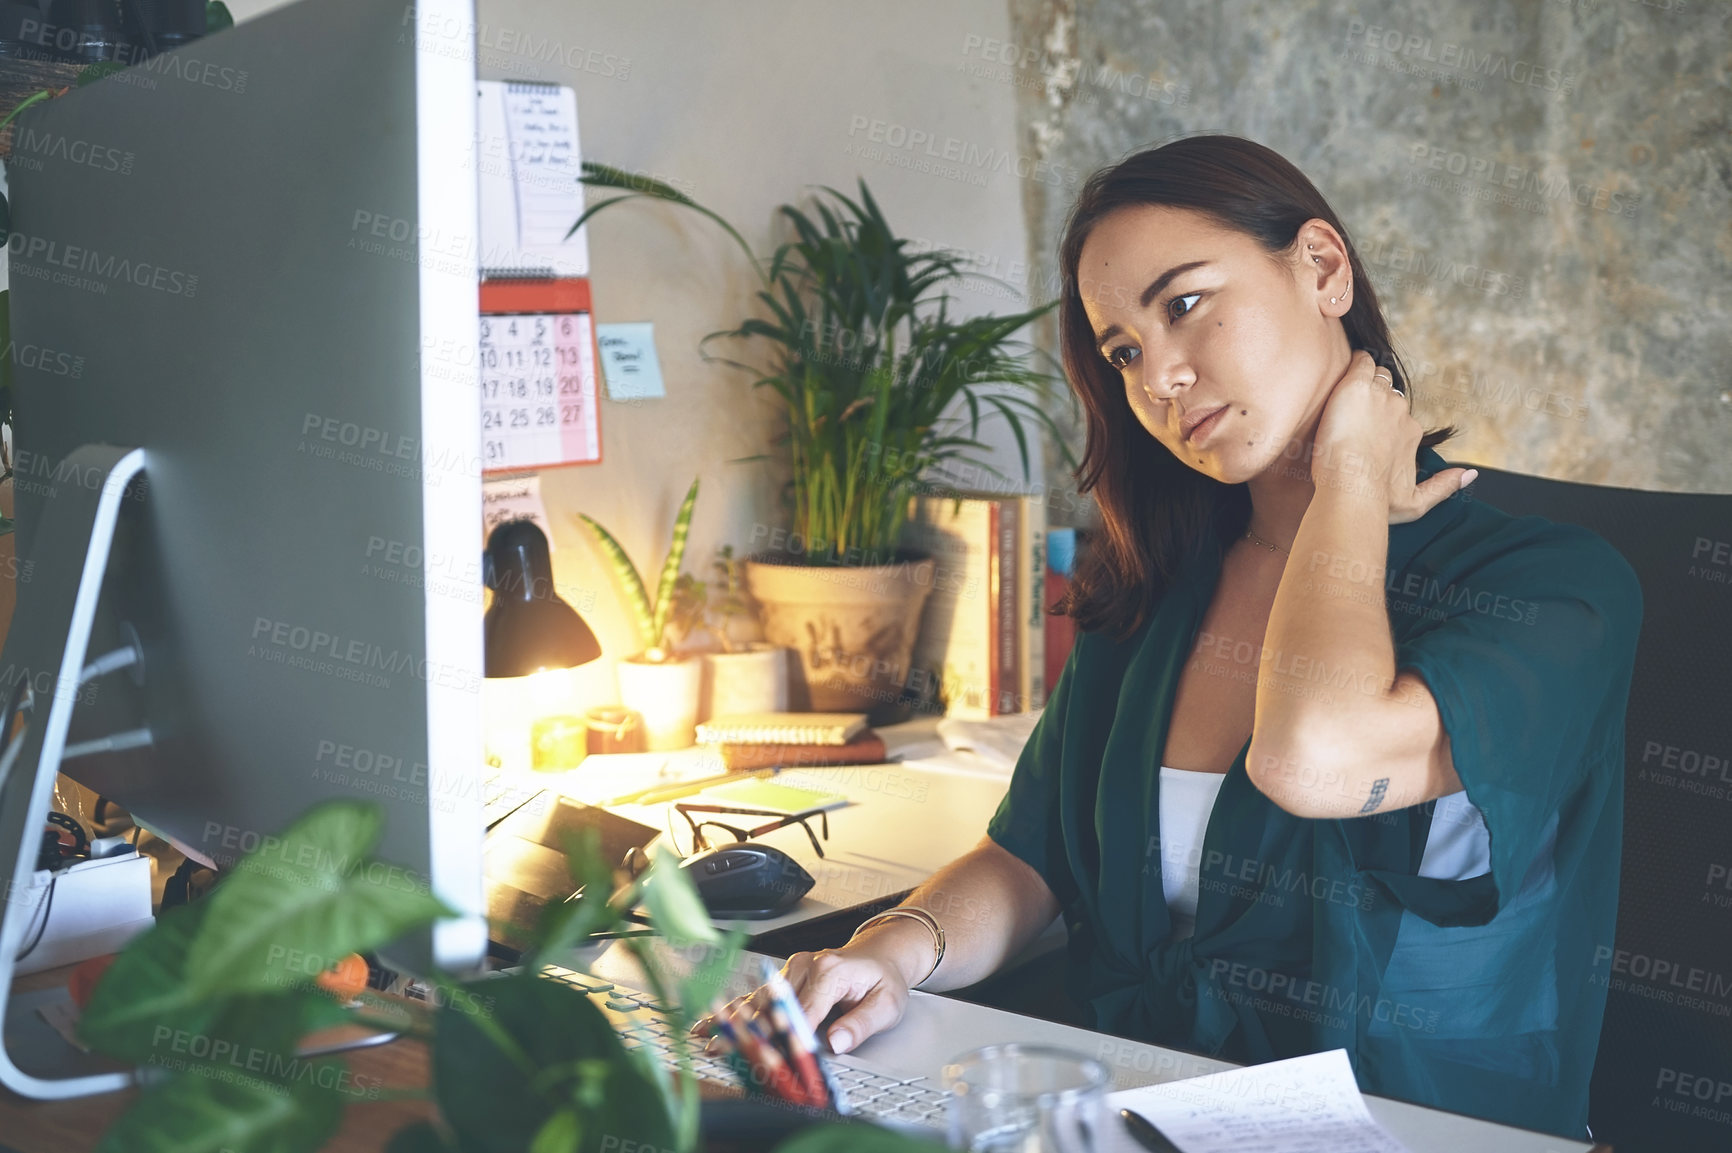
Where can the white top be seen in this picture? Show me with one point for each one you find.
(1458, 846)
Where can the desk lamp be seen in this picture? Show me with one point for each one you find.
(530, 631)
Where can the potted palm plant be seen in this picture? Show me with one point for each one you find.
(873, 373)
(659, 683)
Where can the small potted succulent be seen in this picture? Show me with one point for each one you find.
(660, 684)
(748, 675)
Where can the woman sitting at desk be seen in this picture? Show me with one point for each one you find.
(1337, 759)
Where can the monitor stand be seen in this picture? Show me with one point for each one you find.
(48, 643)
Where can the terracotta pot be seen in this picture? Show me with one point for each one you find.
(665, 695)
(753, 680)
(853, 627)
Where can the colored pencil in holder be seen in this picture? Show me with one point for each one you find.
(830, 1092)
(778, 1075)
(736, 1059)
(800, 1060)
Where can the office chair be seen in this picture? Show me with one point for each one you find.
(1663, 1073)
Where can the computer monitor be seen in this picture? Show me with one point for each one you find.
(248, 430)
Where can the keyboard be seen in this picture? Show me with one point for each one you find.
(906, 1103)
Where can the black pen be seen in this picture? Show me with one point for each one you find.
(1146, 1135)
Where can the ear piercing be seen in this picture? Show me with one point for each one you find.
(1332, 299)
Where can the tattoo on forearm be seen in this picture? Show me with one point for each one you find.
(1378, 787)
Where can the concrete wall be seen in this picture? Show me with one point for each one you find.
(1539, 190)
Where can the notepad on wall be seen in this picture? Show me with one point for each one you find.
(530, 161)
(782, 729)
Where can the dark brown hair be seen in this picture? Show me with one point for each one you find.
(1155, 508)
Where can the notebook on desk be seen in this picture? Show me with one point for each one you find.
(782, 729)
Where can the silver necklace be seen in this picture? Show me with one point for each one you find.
(1249, 535)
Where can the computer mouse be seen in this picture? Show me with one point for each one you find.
(746, 880)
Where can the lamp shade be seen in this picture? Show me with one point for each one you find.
(528, 627)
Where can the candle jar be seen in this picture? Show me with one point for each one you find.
(612, 729)
(558, 743)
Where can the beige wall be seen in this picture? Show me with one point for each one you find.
(743, 105)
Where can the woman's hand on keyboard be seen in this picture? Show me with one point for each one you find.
(868, 989)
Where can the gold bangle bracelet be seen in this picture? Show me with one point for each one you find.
(913, 914)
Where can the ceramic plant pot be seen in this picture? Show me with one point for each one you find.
(665, 695)
(753, 680)
(853, 628)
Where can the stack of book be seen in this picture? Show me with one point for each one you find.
(785, 740)
(982, 643)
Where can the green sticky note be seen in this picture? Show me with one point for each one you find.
(762, 794)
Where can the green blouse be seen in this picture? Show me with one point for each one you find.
(1477, 995)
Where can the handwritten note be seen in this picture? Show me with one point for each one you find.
(530, 159)
(514, 498)
(542, 123)
(1307, 1104)
(628, 361)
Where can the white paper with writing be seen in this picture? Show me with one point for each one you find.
(1307, 1104)
(530, 160)
(513, 498)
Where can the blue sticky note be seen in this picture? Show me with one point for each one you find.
(628, 360)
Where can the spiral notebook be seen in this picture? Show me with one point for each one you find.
(782, 729)
(530, 160)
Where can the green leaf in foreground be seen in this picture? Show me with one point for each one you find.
(560, 1134)
(675, 909)
(199, 1114)
(494, 1107)
(143, 1011)
(305, 900)
(144, 989)
(705, 981)
(143, 1001)
(565, 925)
(421, 1137)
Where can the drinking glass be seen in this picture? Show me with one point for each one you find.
(1026, 1099)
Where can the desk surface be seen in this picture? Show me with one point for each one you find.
(917, 819)
(934, 1029)
(905, 823)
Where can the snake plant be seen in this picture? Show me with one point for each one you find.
(659, 621)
